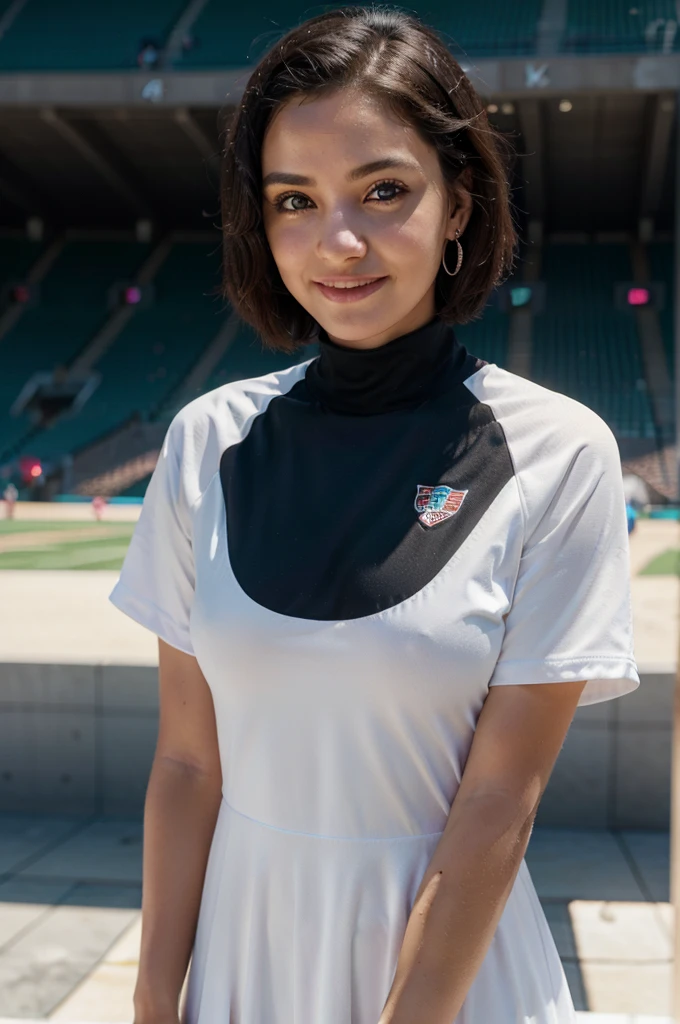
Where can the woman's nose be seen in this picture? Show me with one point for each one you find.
(341, 237)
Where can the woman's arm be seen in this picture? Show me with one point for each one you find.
(519, 734)
(182, 802)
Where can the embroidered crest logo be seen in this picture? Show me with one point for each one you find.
(437, 503)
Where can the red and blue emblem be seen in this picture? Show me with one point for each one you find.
(437, 503)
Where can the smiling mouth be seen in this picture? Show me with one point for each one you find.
(349, 290)
(349, 283)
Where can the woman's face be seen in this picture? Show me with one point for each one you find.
(353, 196)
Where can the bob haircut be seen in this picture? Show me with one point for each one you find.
(403, 63)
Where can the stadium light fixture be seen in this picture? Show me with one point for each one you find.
(565, 106)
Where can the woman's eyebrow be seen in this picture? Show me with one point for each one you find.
(386, 163)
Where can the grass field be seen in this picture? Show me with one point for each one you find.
(63, 545)
(665, 564)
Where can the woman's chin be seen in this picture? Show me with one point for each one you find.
(356, 327)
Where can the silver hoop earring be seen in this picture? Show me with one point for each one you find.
(459, 260)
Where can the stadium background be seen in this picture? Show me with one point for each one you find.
(110, 317)
(110, 321)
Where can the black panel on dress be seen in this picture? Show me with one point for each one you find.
(320, 505)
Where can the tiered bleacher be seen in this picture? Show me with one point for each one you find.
(235, 37)
(247, 357)
(582, 345)
(72, 306)
(488, 337)
(152, 354)
(661, 268)
(619, 26)
(78, 35)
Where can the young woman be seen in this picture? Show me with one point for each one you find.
(368, 573)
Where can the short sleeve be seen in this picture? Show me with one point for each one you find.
(156, 583)
(570, 616)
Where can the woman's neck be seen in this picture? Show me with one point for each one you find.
(400, 374)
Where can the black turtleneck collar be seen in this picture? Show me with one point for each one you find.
(401, 374)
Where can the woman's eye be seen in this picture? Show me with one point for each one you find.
(296, 202)
(392, 189)
(293, 198)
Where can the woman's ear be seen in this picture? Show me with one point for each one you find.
(460, 205)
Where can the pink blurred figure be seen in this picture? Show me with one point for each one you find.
(98, 506)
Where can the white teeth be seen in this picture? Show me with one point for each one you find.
(348, 285)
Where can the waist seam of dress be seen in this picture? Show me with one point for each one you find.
(341, 839)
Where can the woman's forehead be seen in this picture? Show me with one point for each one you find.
(343, 129)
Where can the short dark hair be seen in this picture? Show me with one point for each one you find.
(393, 56)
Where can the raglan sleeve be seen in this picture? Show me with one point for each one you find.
(156, 582)
(570, 617)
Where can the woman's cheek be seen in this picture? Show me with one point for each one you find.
(412, 246)
(291, 247)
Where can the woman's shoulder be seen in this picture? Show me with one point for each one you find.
(201, 430)
(228, 409)
(551, 437)
(538, 415)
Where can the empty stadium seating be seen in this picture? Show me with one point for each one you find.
(77, 35)
(618, 26)
(582, 345)
(247, 357)
(488, 337)
(152, 354)
(234, 37)
(81, 35)
(661, 269)
(72, 307)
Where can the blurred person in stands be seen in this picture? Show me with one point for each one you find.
(382, 579)
(148, 54)
(10, 495)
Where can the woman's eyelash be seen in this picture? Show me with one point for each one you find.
(280, 200)
(389, 181)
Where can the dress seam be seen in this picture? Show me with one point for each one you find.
(342, 839)
(577, 659)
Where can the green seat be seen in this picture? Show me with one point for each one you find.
(488, 337)
(153, 353)
(661, 268)
(72, 307)
(618, 26)
(79, 35)
(247, 357)
(582, 345)
(226, 36)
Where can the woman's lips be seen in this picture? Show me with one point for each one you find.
(350, 294)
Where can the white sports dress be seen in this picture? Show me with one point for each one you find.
(355, 549)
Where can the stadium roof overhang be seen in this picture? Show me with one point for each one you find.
(509, 78)
(106, 149)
